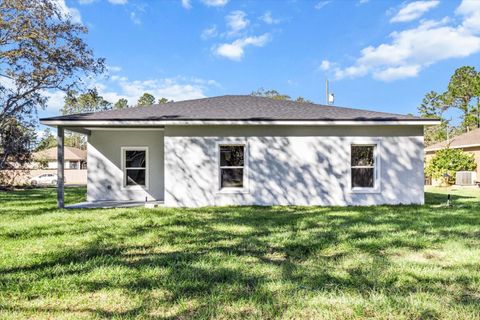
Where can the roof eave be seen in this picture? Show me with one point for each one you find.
(153, 123)
(432, 149)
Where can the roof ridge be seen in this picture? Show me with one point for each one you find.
(238, 107)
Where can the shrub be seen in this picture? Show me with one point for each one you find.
(449, 161)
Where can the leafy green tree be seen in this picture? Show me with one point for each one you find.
(302, 99)
(462, 89)
(16, 141)
(433, 107)
(448, 161)
(146, 99)
(41, 49)
(75, 140)
(47, 141)
(72, 139)
(74, 103)
(274, 94)
(90, 101)
(163, 100)
(122, 103)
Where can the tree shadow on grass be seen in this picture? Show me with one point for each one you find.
(36, 201)
(435, 198)
(218, 257)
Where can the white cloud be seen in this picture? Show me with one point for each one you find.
(325, 65)
(215, 3)
(186, 4)
(116, 87)
(412, 50)
(321, 4)
(268, 18)
(135, 18)
(210, 32)
(114, 2)
(236, 21)
(75, 15)
(40, 134)
(56, 100)
(236, 49)
(171, 88)
(414, 10)
(114, 69)
(470, 9)
(68, 12)
(394, 73)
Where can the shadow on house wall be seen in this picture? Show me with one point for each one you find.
(292, 166)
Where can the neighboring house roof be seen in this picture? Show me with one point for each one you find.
(468, 139)
(70, 153)
(234, 108)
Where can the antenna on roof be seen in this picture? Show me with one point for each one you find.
(329, 97)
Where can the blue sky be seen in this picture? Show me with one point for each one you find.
(378, 55)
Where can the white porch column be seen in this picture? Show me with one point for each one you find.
(60, 167)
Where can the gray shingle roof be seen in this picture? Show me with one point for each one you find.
(70, 153)
(237, 107)
(471, 138)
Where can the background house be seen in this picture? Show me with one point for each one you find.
(468, 142)
(45, 162)
(75, 159)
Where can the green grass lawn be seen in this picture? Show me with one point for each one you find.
(387, 262)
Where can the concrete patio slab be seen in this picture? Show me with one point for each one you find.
(114, 204)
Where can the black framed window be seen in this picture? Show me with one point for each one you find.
(232, 166)
(363, 166)
(135, 167)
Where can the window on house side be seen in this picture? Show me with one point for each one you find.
(232, 166)
(135, 167)
(73, 164)
(363, 166)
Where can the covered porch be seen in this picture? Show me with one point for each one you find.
(126, 166)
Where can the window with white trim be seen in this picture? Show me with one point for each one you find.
(363, 166)
(135, 166)
(232, 166)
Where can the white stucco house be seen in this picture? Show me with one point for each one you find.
(247, 150)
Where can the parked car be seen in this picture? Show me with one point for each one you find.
(44, 179)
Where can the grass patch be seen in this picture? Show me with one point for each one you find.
(386, 262)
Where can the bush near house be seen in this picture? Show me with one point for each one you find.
(449, 161)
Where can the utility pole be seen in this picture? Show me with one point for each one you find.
(478, 113)
(326, 93)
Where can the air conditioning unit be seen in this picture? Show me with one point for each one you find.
(465, 178)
